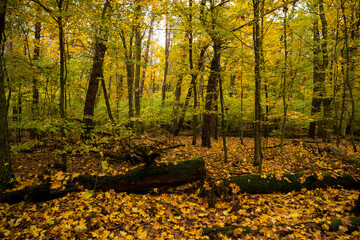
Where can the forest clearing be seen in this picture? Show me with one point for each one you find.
(179, 119)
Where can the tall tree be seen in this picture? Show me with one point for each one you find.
(284, 81)
(97, 70)
(348, 68)
(6, 172)
(320, 65)
(257, 68)
(35, 90)
(138, 65)
(58, 17)
(146, 57)
(167, 53)
(212, 28)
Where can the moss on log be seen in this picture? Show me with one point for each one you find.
(260, 184)
(332, 226)
(139, 180)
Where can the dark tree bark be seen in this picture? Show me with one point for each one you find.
(284, 96)
(356, 208)
(96, 75)
(62, 83)
(332, 226)
(107, 102)
(139, 180)
(257, 124)
(137, 67)
(35, 91)
(193, 75)
(325, 128)
(347, 77)
(6, 173)
(257, 184)
(209, 116)
(167, 53)
(318, 87)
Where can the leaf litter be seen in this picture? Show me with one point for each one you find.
(180, 213)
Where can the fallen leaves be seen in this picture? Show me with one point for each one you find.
(179, 215)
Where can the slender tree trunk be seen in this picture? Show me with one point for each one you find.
(325, 128)
(6, 173)
(107, 102)
(147, 54)
(193, 75)
(189, 93)
(62, 84)
(257, 125)
(284, 84)
(241, 107)
(223, 132)
(167, 53)
(129, 73)
(137, 67)
(177, 104)
(318, 87)
(97, 73)
(347, 78)
(35, 90)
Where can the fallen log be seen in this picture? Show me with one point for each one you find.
(317, 150)
(352, 224)
(356, 208)
(139, 180)
(260, 184)
(341, 153)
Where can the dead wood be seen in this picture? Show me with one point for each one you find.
(142, 179)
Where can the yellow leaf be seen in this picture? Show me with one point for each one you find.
(325, 227)
(237, 232)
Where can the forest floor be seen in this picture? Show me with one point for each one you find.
(180, 213)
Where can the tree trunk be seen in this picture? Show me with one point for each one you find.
(139, 180)
(107, 102)
(284, 84)
(356, 208)
(257, 125)
(137, 67)
(259, 184)
(97, 73)
(332, 226)
(129, 72)
(167, 53)
(6, 173)
(147, 54)
(319, 74)
(347, 78)
(211, 95)
(325, 128)
(35, 91)
(62, 84)
(223, 132)
(193, 75)
(189, 93)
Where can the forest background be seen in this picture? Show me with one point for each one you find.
(80, 76)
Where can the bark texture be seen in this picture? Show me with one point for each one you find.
(6, 173)
(139, 180)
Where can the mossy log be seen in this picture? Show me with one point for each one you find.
(356, 208)
(139, 180)
(260, 184)
(352, 224)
